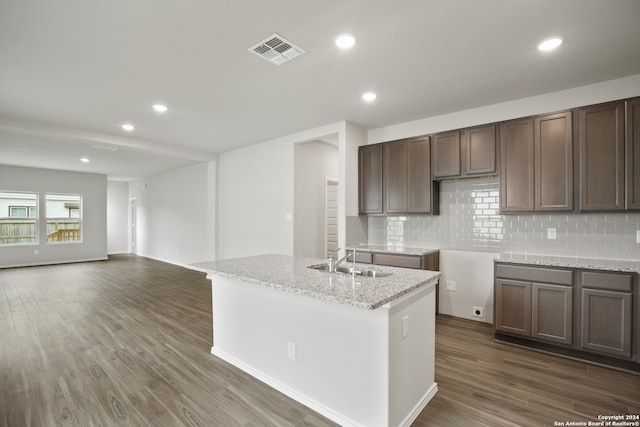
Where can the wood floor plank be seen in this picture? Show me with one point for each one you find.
(127, 342)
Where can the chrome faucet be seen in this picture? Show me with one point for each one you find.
(332, 264)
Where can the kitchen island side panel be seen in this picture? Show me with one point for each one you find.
(344, 360)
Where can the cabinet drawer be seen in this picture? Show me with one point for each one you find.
(607, 281)
(535, 274)
(364, 257)
(405, 261)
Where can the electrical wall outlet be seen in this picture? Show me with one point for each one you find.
(551, 234)
(36, 252)
(451, 285)
(291, 351)
(478, 311)
(637, 236)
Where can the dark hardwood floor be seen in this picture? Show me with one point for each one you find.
(127, 342)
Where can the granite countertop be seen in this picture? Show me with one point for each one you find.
(292, 274)
(572, 262)
(404, 250)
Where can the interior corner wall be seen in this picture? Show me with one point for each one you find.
(92, 187)
(117, 217)
(314, 162)
(256, 200)
(172, 214)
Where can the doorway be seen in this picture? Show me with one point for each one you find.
(133, 219)
(331, 216)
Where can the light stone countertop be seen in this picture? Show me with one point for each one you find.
(571, 262)
(292, 274)
(403, 250)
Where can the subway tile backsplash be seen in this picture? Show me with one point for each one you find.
(470, 220)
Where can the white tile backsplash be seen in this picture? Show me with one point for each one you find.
(470, 220)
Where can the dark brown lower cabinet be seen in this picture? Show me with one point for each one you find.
(607, 314)
(513, 307)
(537, 310)
(552, 313)
(596, 317)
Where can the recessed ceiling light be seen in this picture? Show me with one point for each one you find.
(369, 96)
(550, 44)
(128, 127)
(84, 160)
(345, 41)
(160, 108)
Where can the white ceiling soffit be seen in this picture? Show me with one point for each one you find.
(276, 49)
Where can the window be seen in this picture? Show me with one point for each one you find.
(64, 218)
(18, 218)
(22, 212)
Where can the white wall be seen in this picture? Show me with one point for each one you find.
(256, 192)
(470, 269)
(92, 187)
(472, 273)
(117, 217)
(256, 200)
(611, 90)
(173, 210)
(314, 162)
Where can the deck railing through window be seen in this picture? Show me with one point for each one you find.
(63, 231)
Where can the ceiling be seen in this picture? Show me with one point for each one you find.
(71, 72)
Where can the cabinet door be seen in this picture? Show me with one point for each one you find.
(606, 322)
(446, 154)
(480, 150)
(370, 179)
(395, 176)
(601, 135)
(552, 313)
(633, 154)
(516, 166)
(553, 136)
(513, 307)
(418, 176)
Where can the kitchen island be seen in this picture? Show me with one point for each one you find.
(359, 350)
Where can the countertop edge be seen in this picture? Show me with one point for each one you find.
(293, 275)
(570, 262)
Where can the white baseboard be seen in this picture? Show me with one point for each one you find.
(411, 416)
(283, 388)
(313, 404)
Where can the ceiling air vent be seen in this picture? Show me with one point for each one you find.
(276, 49)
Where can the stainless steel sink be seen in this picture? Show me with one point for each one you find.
(349, 270)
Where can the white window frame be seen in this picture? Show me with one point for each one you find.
(5, 216)
(64, 219)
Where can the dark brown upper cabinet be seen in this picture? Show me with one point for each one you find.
(446, 154)
(479, 145)
(633, 154)
(395, 178)
(517, 166)
(407, 177)
(465, 153)
(536, 160)
(370, 190)
(602, 144)
(422, 193)
(553, 139)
